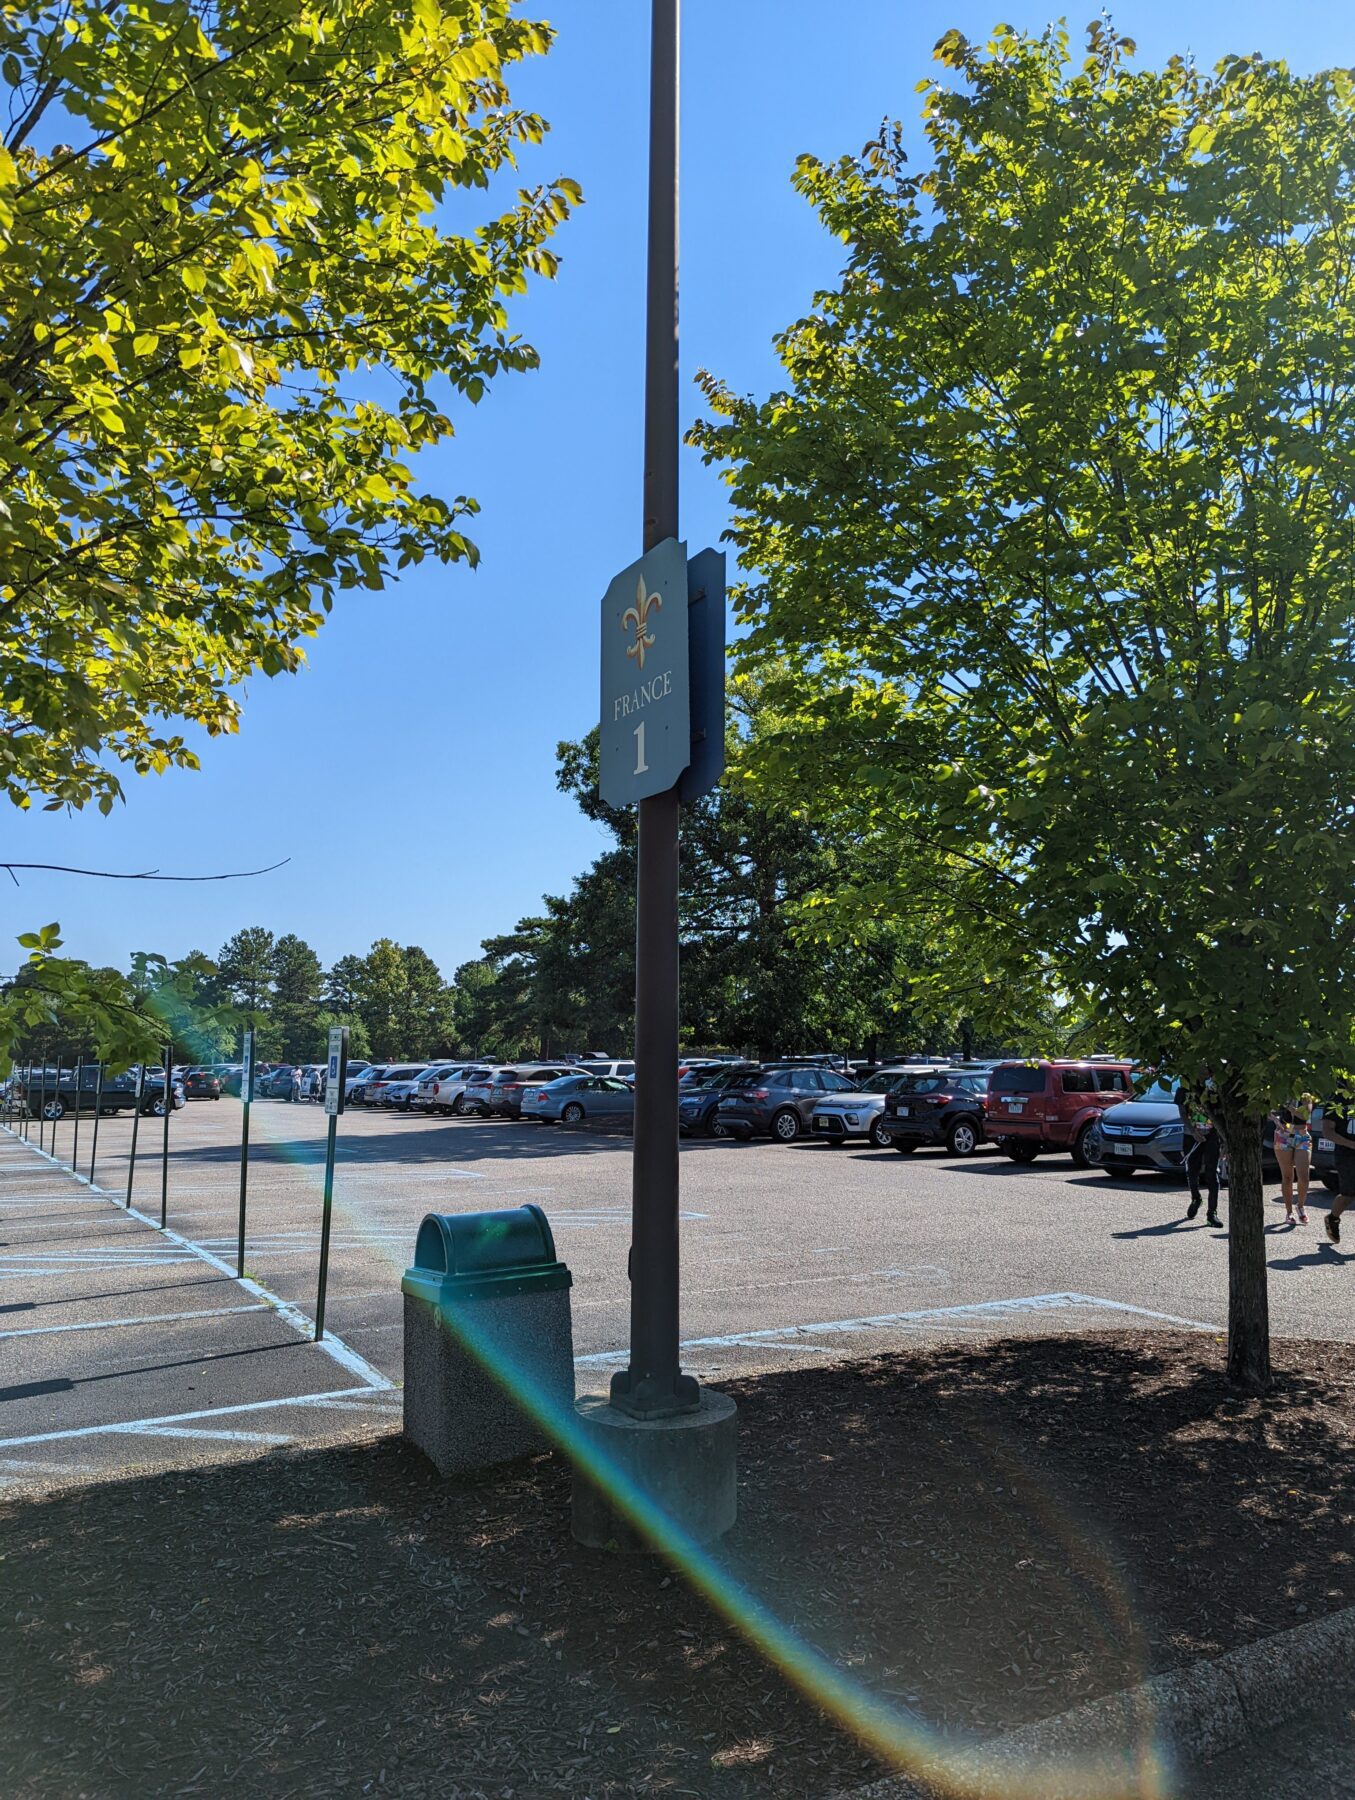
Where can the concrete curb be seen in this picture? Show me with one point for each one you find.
(1110, 1747)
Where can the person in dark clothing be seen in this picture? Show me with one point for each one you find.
(1200, 1143)
(1338, 1123)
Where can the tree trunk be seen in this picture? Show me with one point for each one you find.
(1248, 1305)
(967, 1039)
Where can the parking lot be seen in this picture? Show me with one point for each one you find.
(790, 1253)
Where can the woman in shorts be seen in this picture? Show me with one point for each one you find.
(1293, 1152)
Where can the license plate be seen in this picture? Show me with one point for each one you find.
(1016, 1106)
(819, 1124)
(1121, 1149)
(1326, 1143)
(904, 1113)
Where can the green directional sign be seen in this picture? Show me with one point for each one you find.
(646, 700)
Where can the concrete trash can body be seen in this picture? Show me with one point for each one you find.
(489, 1343)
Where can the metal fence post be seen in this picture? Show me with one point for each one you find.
(75, 1140)
(246, 1095)
(168, 1092)
(136, 1125)
(98, 1108)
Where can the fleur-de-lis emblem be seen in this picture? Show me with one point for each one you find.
(638, 616)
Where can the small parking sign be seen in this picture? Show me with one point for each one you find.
(337, 1070)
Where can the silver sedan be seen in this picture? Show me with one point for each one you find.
(575, 1099)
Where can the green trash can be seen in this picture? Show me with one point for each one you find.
(489, 1342)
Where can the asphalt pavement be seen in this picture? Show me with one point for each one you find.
(790, 1253)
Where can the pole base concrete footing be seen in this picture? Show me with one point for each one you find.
(684, 1468)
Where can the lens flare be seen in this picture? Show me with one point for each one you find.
(962, 1765)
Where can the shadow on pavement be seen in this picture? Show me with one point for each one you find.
(983, 1533)
(412, 1141)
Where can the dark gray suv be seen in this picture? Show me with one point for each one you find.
(777, 1100)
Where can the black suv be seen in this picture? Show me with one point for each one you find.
(699, 1096)
(948, 1106)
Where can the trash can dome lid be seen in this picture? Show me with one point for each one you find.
(484, 1242)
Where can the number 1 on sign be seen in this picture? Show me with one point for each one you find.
(641, 766)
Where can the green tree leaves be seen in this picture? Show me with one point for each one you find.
(1052, 532)
(230, 317)
(1051, 540)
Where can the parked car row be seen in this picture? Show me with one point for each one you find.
(52, 1093)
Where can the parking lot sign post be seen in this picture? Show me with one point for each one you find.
(686, 1462)
(335, 1075)
(246, 1095)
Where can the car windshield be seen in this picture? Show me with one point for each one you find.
(1161, 1093)
(1020, 1079)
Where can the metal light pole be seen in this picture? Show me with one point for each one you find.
(675, 1441)
(652, 1386)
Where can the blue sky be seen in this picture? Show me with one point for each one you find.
(408, 773)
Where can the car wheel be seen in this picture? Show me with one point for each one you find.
(879, 1137)
(786, 1125)
(1019, 1151)
(963, 1138)
(156, 1108)
(1078, 1148)
(718, 1129)
(572, 1114)
(905, 1146)
(54, 1109)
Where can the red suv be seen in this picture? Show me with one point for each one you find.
(1034, 1106)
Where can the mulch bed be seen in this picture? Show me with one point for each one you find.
(985, 1533)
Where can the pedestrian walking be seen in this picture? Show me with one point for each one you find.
(313, 1086)
(1338, 1123)
(296, 1085)
(1293, 1122)
(1201, 1146)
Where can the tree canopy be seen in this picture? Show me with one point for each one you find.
(1051, 533)
(246, 256)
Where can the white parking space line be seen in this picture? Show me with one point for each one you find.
(135, 1427)
(772, 1337)
(207, 1312)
